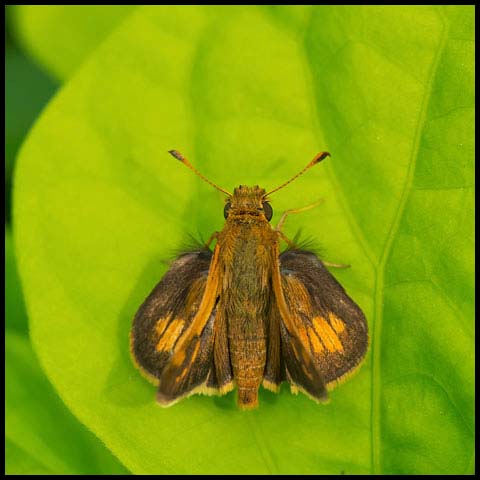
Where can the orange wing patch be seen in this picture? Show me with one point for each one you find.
(327, 334)
(186, 369)
(161, 324)
(317, 345)
(192, 359)
(336, 323)
(170, 336)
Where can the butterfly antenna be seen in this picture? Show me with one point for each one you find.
(180, 157)
(318, 158)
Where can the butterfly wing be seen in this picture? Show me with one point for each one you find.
(172, 337)
(321, 317)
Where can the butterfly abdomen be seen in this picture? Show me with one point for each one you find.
(246, 293)
(248, 357)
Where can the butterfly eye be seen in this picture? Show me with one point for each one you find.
(267, 211)
(226, 209)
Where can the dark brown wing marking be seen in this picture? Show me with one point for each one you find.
(221, 377)
(275, 368)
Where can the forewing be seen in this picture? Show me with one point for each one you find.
(329, 323)
(167, 313)
(192, 361)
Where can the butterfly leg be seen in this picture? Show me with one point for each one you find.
(285, 238)
(213, 236)
(281, 222)
(335, 265)
(294, 210)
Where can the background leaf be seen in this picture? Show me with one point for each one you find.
(250, 94)
(15, 313)
(41, 435)
(27, 90)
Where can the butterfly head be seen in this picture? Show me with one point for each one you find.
(249, 201)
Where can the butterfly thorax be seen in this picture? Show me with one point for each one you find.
(246, 261)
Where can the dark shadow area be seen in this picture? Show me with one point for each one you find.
(28, 88)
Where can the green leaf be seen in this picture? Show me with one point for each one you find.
(41, 434)
(250, 94)
(60, 37)
(53, 441)
(15, 313)
(19, 462)
(27, 90)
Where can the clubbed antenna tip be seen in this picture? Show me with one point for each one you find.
(176, 154)
(320, 157)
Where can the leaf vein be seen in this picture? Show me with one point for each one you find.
(379, 282)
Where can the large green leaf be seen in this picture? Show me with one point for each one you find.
(41, 435)
(250, 94)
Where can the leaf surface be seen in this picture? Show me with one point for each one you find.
(41, 435)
